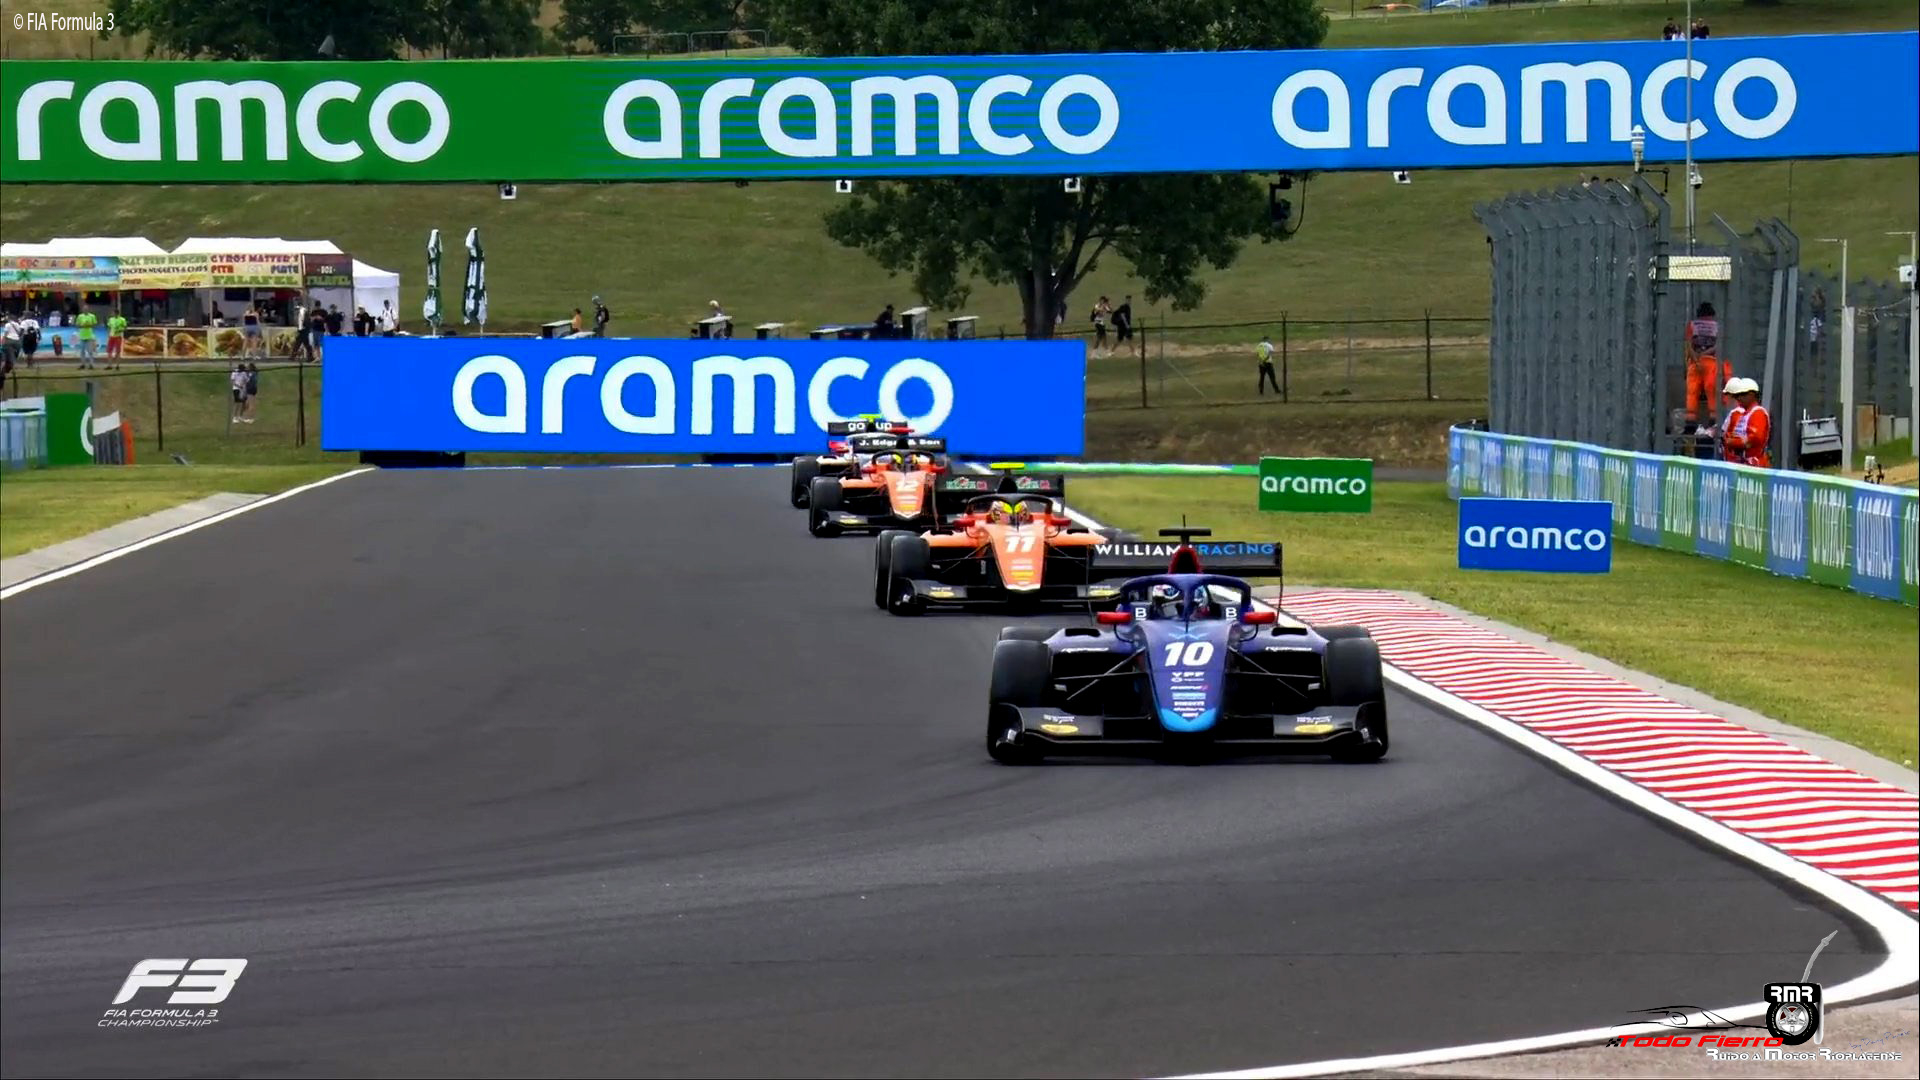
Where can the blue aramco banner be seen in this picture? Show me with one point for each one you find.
(1546, 535)
(674, 396)
(1796, 96)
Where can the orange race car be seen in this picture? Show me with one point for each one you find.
(1010, 547)
(891, 489)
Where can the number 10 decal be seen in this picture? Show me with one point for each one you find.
(1189, 654)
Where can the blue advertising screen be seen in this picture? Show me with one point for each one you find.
(671, 396)
(1549, 535)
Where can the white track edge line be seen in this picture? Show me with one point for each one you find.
(89, 563)
(1898, 931)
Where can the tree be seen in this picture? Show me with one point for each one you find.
(269, 29)
(476, 28)
(599, 20)
(1028, 232)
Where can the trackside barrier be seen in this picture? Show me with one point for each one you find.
(1845, 533)
(23, 438)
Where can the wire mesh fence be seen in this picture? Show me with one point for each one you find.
(1421, 357)
(190, 409)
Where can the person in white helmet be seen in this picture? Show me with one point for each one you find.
(1749, 428)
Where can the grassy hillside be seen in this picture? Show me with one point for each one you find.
(658, 253)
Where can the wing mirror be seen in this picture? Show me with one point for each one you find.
(1259, 618)
(1114, 618)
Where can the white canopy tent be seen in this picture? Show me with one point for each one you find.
(98, 247)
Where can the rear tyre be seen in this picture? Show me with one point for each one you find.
(909, 559)
(1354, 678)
(1341, 633)
(804, 470)
(1021, 673)
(823, 495)
(883, 565)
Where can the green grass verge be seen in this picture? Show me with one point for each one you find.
(1826, 660)
(658, 252)
(50, 505)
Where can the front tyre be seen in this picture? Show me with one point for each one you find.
(909, 559)
(804, 470)
(1354, 678)
(823, 496)
(883, 565)
(1022, 671)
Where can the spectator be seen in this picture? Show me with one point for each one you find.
(1816, 317)
(116, 338)
(253, 389)
(252, 339)
(316, 331)
(335, 320)
(1265, 353)
(575, 326)
(1101, 311)
(303, 342)
(883, 323)
(9, 342)
(237, 381)
(83, 325)
(217, 319)
(1700, 28)
(1123, 322)
(1671, 31)
(362, 322)
(601, 317)
(29, 336)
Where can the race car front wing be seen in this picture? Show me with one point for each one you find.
(1322, 731)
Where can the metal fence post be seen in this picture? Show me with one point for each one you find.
(1284, 381)
(159, 407)
(301, 427)
(1429, 321)
(1142, 349)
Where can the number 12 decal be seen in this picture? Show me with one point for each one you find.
(1189, 654)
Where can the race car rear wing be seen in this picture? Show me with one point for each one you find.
(1118, 559)
(861, 427)
(970, 484)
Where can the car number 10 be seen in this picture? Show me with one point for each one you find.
(1189, 653)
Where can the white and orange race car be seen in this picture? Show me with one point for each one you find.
(850, 444)
(890, 489)
(1010, 547)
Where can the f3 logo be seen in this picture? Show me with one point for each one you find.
(203, 982)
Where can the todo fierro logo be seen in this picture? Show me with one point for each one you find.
(193, 982)
(1793, 1017)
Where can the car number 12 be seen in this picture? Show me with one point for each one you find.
(1189, 653)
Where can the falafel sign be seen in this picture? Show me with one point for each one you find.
(1795, 96)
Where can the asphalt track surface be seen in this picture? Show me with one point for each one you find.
(619, 772)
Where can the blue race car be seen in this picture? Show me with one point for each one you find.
(1187, 661)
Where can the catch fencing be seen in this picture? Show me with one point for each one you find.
(188, 408)
(1845, 533)
(1594, 286)
(1316, 359)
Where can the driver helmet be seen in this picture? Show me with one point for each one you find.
(1001, 512)
(1165, 599)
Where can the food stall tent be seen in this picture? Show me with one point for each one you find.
(16, 298)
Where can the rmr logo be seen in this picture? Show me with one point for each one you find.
(201, 982)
